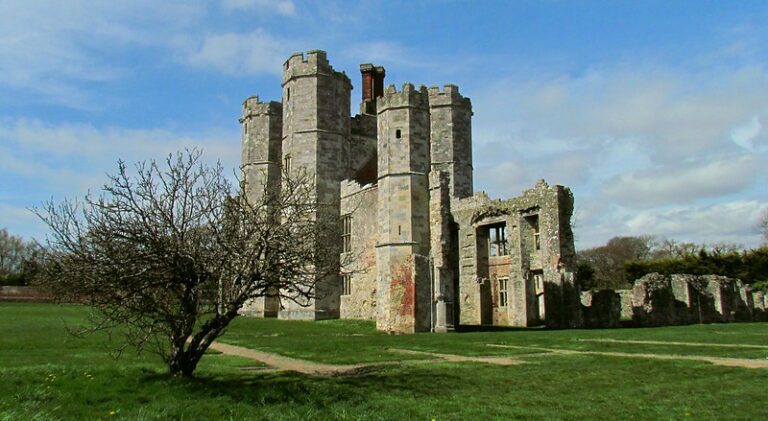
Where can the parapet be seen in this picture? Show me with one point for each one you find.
(409, 96)
(449, 96)
(314, 63)
(253, 107)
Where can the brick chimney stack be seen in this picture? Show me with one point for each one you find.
(373, 87)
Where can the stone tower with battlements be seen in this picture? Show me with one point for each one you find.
(418, 249)
(402, 252)
(316, 127)
(262, 126)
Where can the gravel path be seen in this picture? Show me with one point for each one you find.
(728, 362)
(628, 341)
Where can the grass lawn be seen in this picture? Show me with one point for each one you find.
(47, 374)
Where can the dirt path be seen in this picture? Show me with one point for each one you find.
(461, 358)
(277, 362)
(282, 363)
(728, 362)
(628, 341)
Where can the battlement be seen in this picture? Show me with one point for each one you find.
(314, 63)
(409, 96)
(253, 107)
(448, 96)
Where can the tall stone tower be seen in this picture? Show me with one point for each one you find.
(316, 125)
(451, 137)
(402, 263)
(260, 165)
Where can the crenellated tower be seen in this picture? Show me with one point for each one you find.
(316, 126)
(262, 124)
(451, 138)
(403, 288)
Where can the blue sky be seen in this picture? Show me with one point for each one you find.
(653, 112)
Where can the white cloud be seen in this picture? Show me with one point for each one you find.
(240, 53)
(283, 7)
(725, 222)
(53, 49)
(684, 182)
(731, 222)
(647, 149)
(69, 159)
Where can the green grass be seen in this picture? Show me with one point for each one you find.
(47, 374)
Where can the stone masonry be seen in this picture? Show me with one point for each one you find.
(659, 300)
(428, 254)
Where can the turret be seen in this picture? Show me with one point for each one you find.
(260, 165)
(451, 137)
(316, 127)
(403, 288)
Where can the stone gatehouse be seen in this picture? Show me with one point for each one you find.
(430, 253)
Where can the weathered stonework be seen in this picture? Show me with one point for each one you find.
(658, 300)
(426, 253)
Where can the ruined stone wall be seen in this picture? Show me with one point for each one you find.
(403, 211)
(316, 129)
(260, 166)
(360, 202)
(553, 259)
(441, 249)
(660, 300)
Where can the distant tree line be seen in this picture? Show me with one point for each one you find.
(623, 260)
(17, 259)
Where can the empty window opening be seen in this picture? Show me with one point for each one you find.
(287, 94)
(533, 222)
(398, 134)
(287, 164)
(346, 233)
(502, 287)
(346, 283)
(497, 240)
(537, 278)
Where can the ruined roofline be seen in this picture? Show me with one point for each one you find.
(482, 197)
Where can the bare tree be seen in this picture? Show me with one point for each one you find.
(763, 225)
(169, 255)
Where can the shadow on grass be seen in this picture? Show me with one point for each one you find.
(286, 388)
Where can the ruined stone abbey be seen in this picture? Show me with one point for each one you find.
(431, 254)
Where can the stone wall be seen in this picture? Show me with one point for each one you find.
(360, 202)
(22, 293)
(659, 300)
(540, 247)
